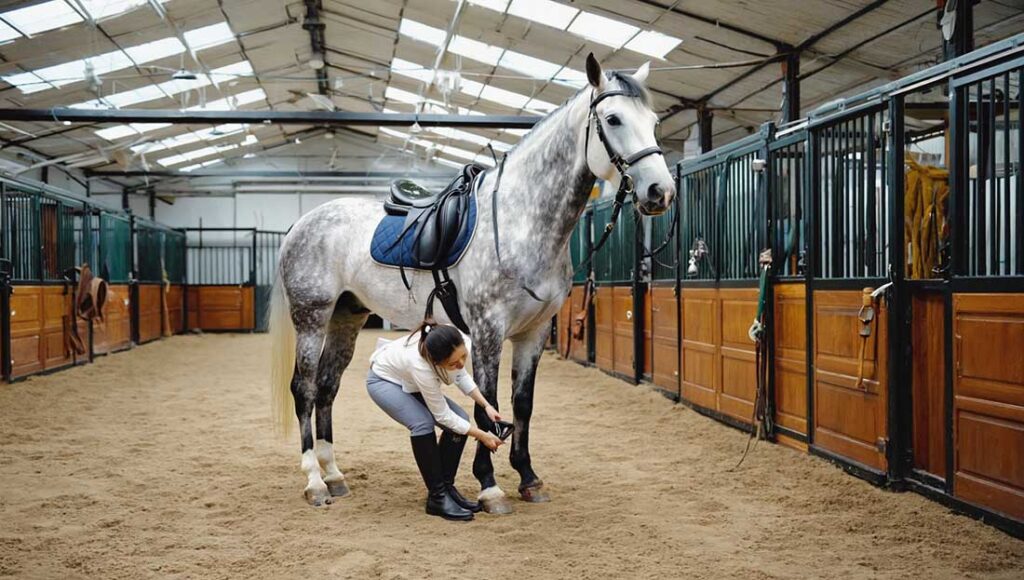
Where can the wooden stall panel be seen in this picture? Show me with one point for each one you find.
(648, 344)
(701, 336)
(929, 383)
(114, 333)
(579, 347)
(192, 293)
(26, 330)
(622, 325)
(572, 306)
(56, 325)
(848, 421)
(150, 312)
(563, 320)
(225, 308)
(790, 319)
(604, 336)
(664, 338)
(988, 401)
(175, 308)
(738, 370)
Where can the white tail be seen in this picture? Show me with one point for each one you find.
(282, 359)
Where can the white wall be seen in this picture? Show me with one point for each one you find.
(267, 211)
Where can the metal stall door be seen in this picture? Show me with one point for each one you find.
(787, 186)
(850, 250)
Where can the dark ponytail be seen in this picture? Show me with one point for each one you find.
(437, 342)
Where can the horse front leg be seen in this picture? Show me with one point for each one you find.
(486, 358)
(525, 358)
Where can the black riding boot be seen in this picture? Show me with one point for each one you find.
(428, 459)
(451, 452)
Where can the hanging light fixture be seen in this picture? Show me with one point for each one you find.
(316, 61)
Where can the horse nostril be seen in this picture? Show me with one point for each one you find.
(655, 192)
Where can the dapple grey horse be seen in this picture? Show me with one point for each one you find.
(328, 284)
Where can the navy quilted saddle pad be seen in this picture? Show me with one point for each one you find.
(385, 250)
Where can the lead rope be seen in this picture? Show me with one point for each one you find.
(761, 419)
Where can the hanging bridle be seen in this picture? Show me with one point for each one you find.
(622, 164)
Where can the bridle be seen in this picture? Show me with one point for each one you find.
(621, 163)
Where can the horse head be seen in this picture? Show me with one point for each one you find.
(622, 147)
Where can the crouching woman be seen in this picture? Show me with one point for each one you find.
(405, 380)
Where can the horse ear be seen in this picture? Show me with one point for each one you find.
(594, 73)
(641, 73)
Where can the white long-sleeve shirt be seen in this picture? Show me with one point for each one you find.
(399, 361)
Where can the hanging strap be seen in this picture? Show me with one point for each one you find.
(446, 292)
(494, 210)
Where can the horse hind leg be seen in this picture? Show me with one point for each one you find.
(310, 329)
(348, 318)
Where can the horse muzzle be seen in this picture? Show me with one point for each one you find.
(656, 200)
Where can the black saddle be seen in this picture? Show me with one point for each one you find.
(435, 220)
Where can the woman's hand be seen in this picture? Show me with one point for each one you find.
(492, 413)
(490, 440)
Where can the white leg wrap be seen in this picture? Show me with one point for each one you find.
(311, 467)
(490, 493)
(325, 457)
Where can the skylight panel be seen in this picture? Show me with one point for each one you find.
(100, 9)
(603, 30)
(115, 133)
(471, 88)
(140, 95)
(457, 152)
(484, 159)
(119, 131)
(155, 50)
(106, 63)
(571, 77)
(421, 32)
(401, 96)
(145, 127)
(544, 11)
(528, 65)
(503, 97)
(476, 50)
(452, 133)
(410, 69)
(74, 71)
(539, 106)
(7, 33)
(240, 68)
(496, 5)
(393, 133)
(653, 43)
(517, 132)
(448, 162)
(209, 36)
(63, 74)
(42, 17)
(27, 82)
(229, 103)
(191, 167)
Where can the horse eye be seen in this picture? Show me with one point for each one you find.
(613, 120)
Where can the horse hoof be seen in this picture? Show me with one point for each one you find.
(534, 493)
(338, 488)
(317, 497)
(498, 506)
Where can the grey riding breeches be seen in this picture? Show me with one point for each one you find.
(406, 408)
